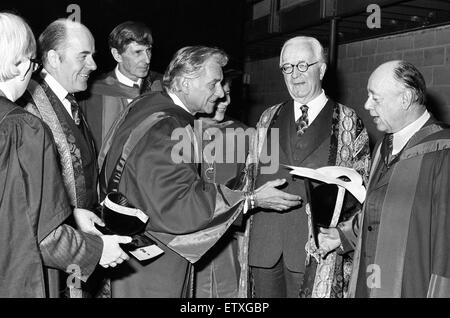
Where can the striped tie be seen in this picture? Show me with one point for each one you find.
(303, 121)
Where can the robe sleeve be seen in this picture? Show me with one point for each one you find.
(49, 205)
(161, 177)
(177, 200)
(439, 285)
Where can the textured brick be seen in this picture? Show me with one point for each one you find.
(361, 64)
(371, 63)
(427, 73)
(434, 56)
(443, 36)
(369, 47)
(354, 49)
(345, 65)
(414, 56)
(403, 43)
(441, 75)
(447, 55)
(425, 38)
(342, 51)
(386, 45)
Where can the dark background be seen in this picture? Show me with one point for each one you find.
(174, 24)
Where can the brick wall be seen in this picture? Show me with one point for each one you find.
(428, 49)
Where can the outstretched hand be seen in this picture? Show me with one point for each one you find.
(268, 196)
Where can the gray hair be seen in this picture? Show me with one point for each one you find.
(315, 44)
(189, 61)
(411, 78)
(16, 42)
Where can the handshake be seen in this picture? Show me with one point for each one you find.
(112, 253)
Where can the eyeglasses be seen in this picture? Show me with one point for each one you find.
(288, 68)
(34, 66)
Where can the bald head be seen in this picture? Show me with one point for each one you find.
(396, 95)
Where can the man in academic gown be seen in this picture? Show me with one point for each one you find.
(162, 177)
(131, 46)
(403, 246)
(67, 49)
(34, 204)
(314, 131)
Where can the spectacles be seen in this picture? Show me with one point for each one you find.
(288, 68)
(34, 66)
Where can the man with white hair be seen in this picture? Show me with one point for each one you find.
(314, 131)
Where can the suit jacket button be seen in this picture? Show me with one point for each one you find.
(370, 228)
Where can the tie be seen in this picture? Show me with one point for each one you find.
(136, 86)
(303, 121)
(74, 108)
(386, 148)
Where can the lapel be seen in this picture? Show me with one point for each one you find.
(286, 126)
(415, 139)
(314, 135)
(82, 136)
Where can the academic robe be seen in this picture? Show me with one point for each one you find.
(107, 98)
(76, 150)
(335, 137)
(217, 273)
(178, 202)
(33, 207)
(403, 248)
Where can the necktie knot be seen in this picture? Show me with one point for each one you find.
(303, 121)
(74, 108)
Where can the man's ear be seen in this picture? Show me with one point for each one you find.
(116, 55)
(407, 99)
(185, 85)
(53, 59)
(323, 69)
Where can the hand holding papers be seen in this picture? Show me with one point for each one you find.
(332, 175)
(338, 195)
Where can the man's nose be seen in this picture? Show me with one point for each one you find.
(91, 63)
(147, 57)
(220, 92)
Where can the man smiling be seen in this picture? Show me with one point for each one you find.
(67, 50)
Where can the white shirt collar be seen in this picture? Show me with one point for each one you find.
(57, 88)
(177, 101)
(125, 80)
(401, 137)
(315, 106)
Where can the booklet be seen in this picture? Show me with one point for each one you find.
(337, 194)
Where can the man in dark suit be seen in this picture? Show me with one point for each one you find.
(314, 131)
(67, 49)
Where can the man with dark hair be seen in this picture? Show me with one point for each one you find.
(131, 46)
(403, 246)
(161, 176)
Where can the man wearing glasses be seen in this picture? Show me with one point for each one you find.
(314, 131)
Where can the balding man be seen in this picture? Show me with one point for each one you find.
(66, 50)
(403, 248)
(314, 131)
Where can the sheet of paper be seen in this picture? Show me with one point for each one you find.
(331, 174)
